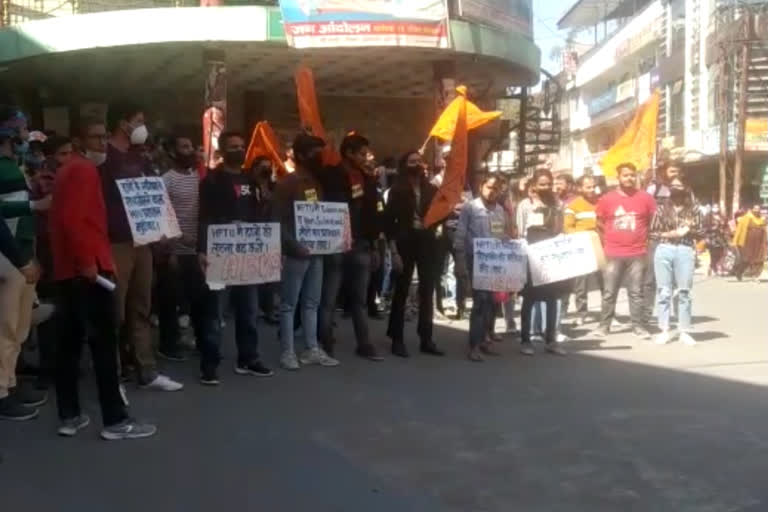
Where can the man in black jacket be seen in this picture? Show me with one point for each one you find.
(228, 195)
(349, 183)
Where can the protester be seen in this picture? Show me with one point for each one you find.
(447, 248)
(133, 263)
(624, 216)
(563, 187)
(580, 217)
(302, 271)
(717, 237)
(749, 238)
(411, 245)
(349, 183)
(86, 309)
(18, 274)
(516, 193)
(483, 217)
(676, 227)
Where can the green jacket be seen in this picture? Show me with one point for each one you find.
(15, 207)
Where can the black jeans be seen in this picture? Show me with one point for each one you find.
(178, 284)
(86, 311)
(244, 301)
(617, 270)
(417, 249)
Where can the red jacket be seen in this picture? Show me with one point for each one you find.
(78, 221)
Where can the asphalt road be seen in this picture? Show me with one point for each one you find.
(619, 426)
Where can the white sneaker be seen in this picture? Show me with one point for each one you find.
(562, 338)
(579, 321)
(619, 326)
(663, 338)
(527, 349)
(687, 339)
(163, 383)
(288, 361)
(317, 356)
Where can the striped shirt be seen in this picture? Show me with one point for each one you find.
(183, 190)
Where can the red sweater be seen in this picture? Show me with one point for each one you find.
(78, 221)
(624, 222)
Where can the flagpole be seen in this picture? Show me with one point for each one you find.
(424, 146)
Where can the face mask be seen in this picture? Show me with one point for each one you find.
(676, 194)
(186, 161)
(234, 158)
(546, 196)
(139, 135)
(415, 170)
(96, 157)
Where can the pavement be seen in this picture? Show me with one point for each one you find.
(622, 425)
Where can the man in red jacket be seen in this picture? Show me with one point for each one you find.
(81, 255)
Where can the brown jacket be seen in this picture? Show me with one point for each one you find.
(298, 186)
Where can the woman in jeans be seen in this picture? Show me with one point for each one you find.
(676, 227)
(543, 219)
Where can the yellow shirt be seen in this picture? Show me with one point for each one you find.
(579, 216)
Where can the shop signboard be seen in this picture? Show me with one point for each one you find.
(756, 134)
(602, 101)
(514, 15)
(339, 23)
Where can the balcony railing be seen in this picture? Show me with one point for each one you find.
(13, 12)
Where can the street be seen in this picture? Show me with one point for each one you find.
(622, 425)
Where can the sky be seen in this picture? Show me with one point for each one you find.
(546, 14)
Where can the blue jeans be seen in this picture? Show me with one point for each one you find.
(244, 301)
(674, 266)
(301, 277)
(482, 317)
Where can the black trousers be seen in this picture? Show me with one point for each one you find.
(417, 249)
(178, 284)
(529, 299)
(86, 312)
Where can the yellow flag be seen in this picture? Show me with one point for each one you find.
(638, 142)
(446, 124)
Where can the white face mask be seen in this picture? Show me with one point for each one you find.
(96, 157)
(139, 135)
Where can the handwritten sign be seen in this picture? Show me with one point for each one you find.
(499, 265)
(323, 227)
(564, 257)
(148, 209)
(240, 254)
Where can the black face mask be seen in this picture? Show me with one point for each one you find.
(414, 170)
(186, 161)
(546, 196)
(676, 194)
(234, 158)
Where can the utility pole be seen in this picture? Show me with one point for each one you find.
(522, 131)
(723, 93)
(742, 119)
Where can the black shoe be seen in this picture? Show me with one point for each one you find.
(209, 378)
(29, 397)
(399, 350)
(12, 410)
(175, 354)
(429, 347)
(254, 368)
(368, 352)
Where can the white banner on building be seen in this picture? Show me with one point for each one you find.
(323, 227)
(564, 257)
(244, 253)
(499, 265)
(148, 209)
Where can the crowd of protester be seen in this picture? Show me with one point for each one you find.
(66, 231)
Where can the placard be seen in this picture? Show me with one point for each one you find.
(499, 265)
(243, 253)
(323, 227)
(148, 209)
(564, 257)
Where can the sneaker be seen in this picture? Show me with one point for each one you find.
(641, 333)
(368, 352)
(176, 355)
(254, 368)
(163, 383)
(72, 426)
(527, 349)
(29, 397)
(11, 410)
(687, 339)
(128, 429)
(619, 326)
(579, 321)
(599, 333)
(561, 338)
(663, 338)
(318, 356)
(553, 349)
(288, 361)
(209, 378)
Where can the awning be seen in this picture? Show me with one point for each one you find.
(588, 13)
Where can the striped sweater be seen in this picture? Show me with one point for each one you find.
(15, 207)
(580, 216)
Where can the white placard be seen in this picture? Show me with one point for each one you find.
(323, 227)
(499, 265)
(563, 257)
(148, 209)
(243, 253)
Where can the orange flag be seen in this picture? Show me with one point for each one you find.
(455, 176)
(309, 113)
(446, 124)
(638, 142)
(264, 143)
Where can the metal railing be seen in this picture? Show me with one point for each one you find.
(13, 12)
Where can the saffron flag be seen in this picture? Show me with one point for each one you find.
(446, 124)
(449, 194)
(638, 142)
(264, 143)
(309, 113)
